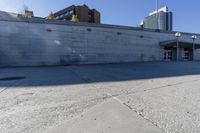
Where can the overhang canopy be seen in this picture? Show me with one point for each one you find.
(182, 44)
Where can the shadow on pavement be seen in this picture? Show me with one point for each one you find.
(69, 75)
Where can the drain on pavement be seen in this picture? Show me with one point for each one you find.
(11, 78)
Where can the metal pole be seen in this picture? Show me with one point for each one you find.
(157, 14)
(193, 48)
(177, 50)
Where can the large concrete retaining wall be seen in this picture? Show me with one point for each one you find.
(29, 43)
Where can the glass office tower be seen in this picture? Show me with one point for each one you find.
(163, 20)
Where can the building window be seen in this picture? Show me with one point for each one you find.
(67, 13)
(71, 12)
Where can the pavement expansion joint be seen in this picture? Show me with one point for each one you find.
(156, 88)
(148, 120)
(10, 85)
(110, 116)
(130, 108)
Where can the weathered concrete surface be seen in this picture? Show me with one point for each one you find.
(108, 117)
(163, 94)
(36, 42)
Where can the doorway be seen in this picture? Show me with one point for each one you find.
(168, 54)
(186, 54)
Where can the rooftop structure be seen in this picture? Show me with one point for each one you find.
(83, 14)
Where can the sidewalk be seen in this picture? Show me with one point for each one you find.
(108, 117)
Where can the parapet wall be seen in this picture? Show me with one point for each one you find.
(32, 43)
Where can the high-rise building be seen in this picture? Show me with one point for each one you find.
(161, 20)
(83, 14)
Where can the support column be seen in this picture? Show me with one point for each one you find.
(193, 46)
(193, 50)
(177, 35)
(177, 50)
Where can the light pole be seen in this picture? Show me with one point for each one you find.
(177, 35)
(157, 21)
(193, 46)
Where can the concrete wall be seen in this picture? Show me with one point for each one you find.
(36, 44)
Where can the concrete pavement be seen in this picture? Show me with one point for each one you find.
(158, 96)
(108, 117)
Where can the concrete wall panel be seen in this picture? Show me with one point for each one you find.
(36, 44)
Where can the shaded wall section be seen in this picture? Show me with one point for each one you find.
(36, 42)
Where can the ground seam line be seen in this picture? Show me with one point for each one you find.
(6, 88)
(129, 107)
(11, 85)
(120, 101)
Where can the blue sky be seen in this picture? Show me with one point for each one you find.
(119, 12)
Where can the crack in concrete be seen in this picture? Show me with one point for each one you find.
(155, 124)
(10, 85)
(118, 100)
(87, 80)
(3, 90)
(157, 88)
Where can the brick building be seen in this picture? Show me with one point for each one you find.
(84, 13)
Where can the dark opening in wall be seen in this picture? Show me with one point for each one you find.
(157, 30)
(118, 33)
(49, 30)
(141, 36)
(88, 29)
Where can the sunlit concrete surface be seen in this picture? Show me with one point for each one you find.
(109, 117)
(160, 96)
